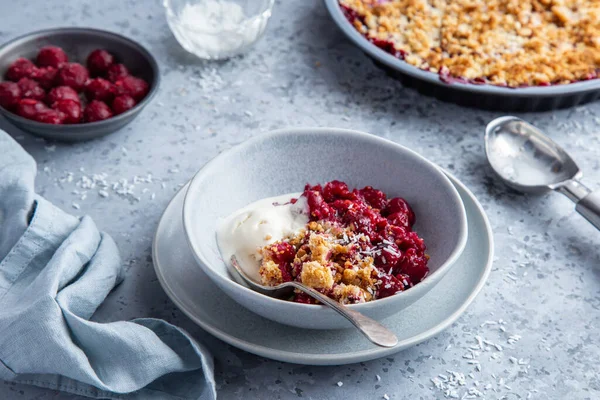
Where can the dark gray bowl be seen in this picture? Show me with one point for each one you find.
(78, 43)
(536, 98)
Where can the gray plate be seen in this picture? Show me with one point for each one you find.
(78, 43)
(535, 98)
(195, 294)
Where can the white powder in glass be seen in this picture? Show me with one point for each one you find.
(212, 15)
(216, 28)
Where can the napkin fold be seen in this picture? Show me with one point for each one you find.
(55, 271)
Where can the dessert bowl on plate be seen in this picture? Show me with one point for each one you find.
(283, 162)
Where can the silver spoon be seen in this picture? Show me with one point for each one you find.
(373, 330)
(529, 161)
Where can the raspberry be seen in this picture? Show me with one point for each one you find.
(30, 89)
(10, 94)
(99, 89)
(71, 110)
(29, 108)
(20, 68)
(96, 110)
(116, 72)
(132, 86)
(72, 74)
(62, 93)
(122, 103)
(99, 61)
(51, 56)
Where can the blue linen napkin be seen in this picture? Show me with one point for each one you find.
(55, 270)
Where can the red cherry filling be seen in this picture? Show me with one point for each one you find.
(335, 190)
(319, 209)
(29, 108)
(414, 265)
(98, 62)
(10, 94)
(99, 89)
(387, 256)
(399, 205)
(132, 86)
(283, 252)
(375, 198)
(97, 110)
(71, 110)
(116, 72)
(303, 298)
(122, 103)
(20, 68)
(62, 93)
(395, 248)
(389, 285)
(72, 74)
(30, 89)
(51, 56)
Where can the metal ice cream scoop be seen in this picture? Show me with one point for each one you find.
(529, 161)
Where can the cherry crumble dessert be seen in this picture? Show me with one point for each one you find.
(514, 43)
(54, 90)
(357, 246)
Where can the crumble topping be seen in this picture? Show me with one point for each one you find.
(358, 246)
(270, 273)
(501, 42)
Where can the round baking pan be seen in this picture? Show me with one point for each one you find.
(534, 98)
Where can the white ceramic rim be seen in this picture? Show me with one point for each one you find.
(342, 358)
(188, 205)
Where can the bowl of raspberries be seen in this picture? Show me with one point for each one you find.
(75, 84)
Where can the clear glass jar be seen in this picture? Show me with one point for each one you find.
(217, 29)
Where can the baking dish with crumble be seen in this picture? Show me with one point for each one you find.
(495, 54)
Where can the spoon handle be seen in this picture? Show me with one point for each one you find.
(373, 330)
(589, 207)
(587, 202)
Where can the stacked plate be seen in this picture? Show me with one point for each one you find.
(188, 264)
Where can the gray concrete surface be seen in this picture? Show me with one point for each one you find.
(545, 285)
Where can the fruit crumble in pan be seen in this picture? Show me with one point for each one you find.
(358, 246)
(514, 43)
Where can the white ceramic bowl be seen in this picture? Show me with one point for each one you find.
(283, 162)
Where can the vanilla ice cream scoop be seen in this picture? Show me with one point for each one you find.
(258, 224)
